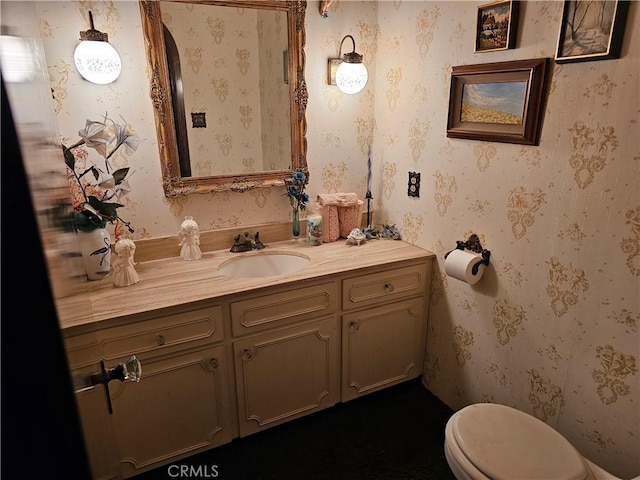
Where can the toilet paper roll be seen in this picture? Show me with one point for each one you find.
(459, 264)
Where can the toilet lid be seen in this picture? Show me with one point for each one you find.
(505, 443)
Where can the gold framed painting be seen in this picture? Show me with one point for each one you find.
(591, 30)
(496, 26)
(498, 102)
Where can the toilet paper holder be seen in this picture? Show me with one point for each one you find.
(473, 244)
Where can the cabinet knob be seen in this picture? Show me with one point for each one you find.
(354, 325)
(388, 287)
(210, 364)
(160, 340)
(247, 354)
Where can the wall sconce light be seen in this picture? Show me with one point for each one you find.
(348, 72)
(95, 58)
(17, 57)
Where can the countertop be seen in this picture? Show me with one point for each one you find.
(173, 282)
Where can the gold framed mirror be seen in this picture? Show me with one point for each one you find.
(224, 95)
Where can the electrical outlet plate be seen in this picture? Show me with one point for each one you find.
(413, 189)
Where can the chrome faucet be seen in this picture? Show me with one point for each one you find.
(246, 243)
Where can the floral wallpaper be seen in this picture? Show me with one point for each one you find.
(552, 328)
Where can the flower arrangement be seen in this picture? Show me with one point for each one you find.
(96, 191)
(295, 191)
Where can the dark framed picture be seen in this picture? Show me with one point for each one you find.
(496, 26)
(498, 102)
(591, 30)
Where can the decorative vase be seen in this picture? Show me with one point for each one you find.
(314, 229)
(95, 246)
(295, 224)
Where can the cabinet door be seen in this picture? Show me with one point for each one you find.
(382, 346)
(93, 408)
(99, 437)
(181, 406)
(287, 373)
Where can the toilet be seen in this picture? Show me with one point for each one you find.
(497, 442)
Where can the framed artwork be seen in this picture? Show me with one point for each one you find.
(591, 30)
(498, 102)
(496, 26)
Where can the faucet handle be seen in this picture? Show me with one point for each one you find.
(258, 245)
(238, 246)
(247, 243)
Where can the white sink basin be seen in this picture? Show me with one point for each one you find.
(263, 264)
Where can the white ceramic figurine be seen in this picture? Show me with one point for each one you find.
(124, 272)
(189, 237)
(356, 237)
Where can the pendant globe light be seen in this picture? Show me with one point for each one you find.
(351, 75)
(95, 58)
(17, 57)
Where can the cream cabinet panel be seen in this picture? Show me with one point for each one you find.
(181, 406)
(386, 286)
(280, 308)
(92, 402)
(195, 327)
(382, 346)
(98, 433)
(285, 374)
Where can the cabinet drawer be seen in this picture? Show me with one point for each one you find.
(197, 327)
(278, 309)
(82, 350)
(385, 286)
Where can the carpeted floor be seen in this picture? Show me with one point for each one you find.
(393, 434)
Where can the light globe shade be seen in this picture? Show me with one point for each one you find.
(18, 59)
(351, 77)
(98, 62)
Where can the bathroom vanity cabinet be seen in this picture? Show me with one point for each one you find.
(230, 365)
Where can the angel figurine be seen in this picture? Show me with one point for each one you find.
(189, 237)
(124, 272)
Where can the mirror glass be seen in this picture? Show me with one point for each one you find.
(228, 88)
